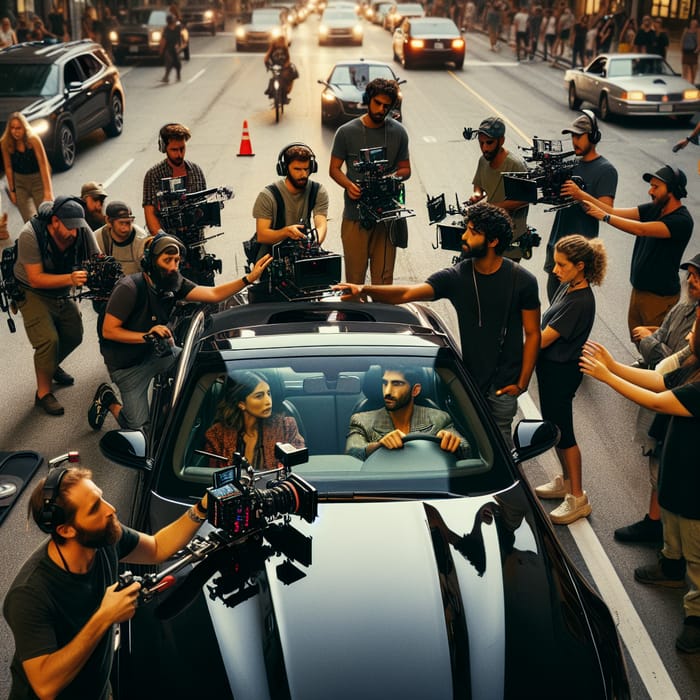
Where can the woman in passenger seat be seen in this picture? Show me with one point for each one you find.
(245, 423)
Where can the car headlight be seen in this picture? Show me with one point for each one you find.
(457, 44)
(40, 126)
(113, 37)
(208, 14)
(323, 30)
(328, 97)
(155, 36)
(633, 95)
(357, 30)
(240, 33)
(691, 94)
(277, 31)
(416, 43)
(370, 14)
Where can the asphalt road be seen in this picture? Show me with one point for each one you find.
(220, 91)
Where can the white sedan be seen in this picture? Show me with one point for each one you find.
(632, 84)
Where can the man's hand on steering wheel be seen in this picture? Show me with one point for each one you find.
(448, 441)
(393, 440)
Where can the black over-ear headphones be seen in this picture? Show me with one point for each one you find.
(595, 135)
(677, 188)
(51, 515)
(169, 131)
(148, 261)
(283, 159)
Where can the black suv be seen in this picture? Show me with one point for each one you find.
(65, 90)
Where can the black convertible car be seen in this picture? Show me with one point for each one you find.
(421, 575)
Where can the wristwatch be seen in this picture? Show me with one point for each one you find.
(606, 218)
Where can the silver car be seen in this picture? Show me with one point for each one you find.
(632, 84)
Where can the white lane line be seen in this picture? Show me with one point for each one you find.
(635, 636)
(197, 75)
(488, 64)
(117, 173)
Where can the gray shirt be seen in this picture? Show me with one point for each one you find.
(127, 254)
(295, 204)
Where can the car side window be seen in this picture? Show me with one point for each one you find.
(90, 65)
(72, 73)
(597, 67)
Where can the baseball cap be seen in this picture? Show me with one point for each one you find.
(71, 214)
(493, 127)
(161, 241)
(694, 261)
(119, 210)
(92, 189)
(675, 179)
(580, 125)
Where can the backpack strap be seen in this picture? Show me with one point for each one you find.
(280, 211)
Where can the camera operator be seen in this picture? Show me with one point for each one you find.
(93, 196)
(121, 238)
(497, 305)
(172, 140)
(50, 250)
(663, 228)
(295, 163)
(600, 180)
(488, 179)
(135, 340)
(64, 603)
(369, 246)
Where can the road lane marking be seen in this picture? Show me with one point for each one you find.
(117, 173)
(641, 649)
(197, 75)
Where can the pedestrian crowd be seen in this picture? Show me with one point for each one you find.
(504, 335)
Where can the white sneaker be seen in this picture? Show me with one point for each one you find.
(556, 488)
(573, 508)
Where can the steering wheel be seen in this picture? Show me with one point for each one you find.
(420, 452)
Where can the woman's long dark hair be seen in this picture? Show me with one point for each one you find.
(238, 386)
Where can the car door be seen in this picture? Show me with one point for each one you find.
(591, 80)
(75, 97)
(97, 86)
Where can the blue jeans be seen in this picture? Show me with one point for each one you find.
(503, 409)
(134, 384)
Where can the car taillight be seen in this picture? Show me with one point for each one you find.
(457, 43)
(416, 43)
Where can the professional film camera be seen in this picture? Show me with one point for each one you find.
(543, 181)
(103, 273)
(449, 235)
(244, 517)
(184, 214)
(300, 270)
(383, 195)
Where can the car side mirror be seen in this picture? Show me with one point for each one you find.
(534, 437)
(73, 86)
(125, 447)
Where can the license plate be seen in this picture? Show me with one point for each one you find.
(133, 49)
(439, 45)
(666, 108)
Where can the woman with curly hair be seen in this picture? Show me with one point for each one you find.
(26, 166)
(579, 262)
(245, 423)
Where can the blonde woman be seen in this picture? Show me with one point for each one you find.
(26, 166)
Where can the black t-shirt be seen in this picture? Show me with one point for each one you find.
(139, 307)
(655, 261)
(46, 607)
(679, 476)
(481, 313)
(645, 39)
(571, 315)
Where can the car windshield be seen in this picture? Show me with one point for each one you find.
(335, 15)
(359, 74)
(269, 17)
(334, 405)
(409, 9)
(431, 26)
(28, 80)
(151, 17)
(629, 67)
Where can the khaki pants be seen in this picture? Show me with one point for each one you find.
(54, 328)
(362, 246)
(682, 538)
(647, 309)
(29, 190)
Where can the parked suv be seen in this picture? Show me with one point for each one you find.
(65, 90)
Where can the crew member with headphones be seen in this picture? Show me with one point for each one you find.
(599, 177)
(172, 140)
(663, 228)
(373, 247)
(64, 604)
(137, 312)
(51, 249)
(303, 202)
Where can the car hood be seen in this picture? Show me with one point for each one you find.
(653, 83)
(411, 599)
(346, 93)
(31, 107)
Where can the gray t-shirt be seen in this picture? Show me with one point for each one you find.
(295, 204)
(354, 136)
(490, 180)
(127, 254)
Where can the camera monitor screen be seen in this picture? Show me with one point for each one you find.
(520, 189)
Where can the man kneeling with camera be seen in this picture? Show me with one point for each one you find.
(135, 340)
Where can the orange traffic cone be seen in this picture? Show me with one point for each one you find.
(246, 149)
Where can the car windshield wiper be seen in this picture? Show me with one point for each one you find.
(385, 495)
